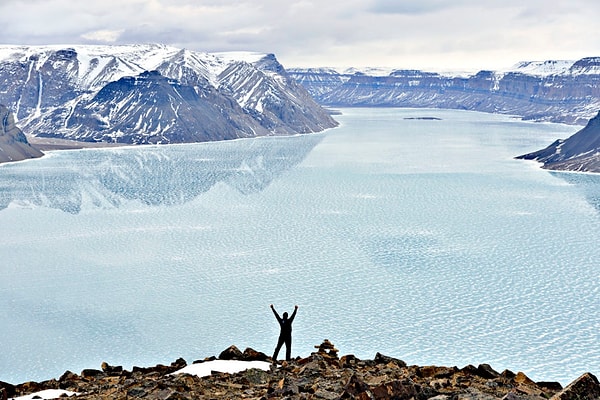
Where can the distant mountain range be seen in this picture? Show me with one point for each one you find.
(152, 94)
(554, 91)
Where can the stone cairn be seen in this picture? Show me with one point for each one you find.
(327, 350)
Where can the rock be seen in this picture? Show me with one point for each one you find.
(381, 359)
(109, 369)
(348, 361)
(354, 387)
(211, 358)
(396, 390)
(521, 378)
(487, 372)
(512, 396)
(436, 372)
(231, 353)
(469, 370)
(253, 355)
(586, 387)
(508, 374)
(552, 386)
(179, 364)
(7, 389)
(256, 376)
(91, 373)
(285, 387)
(136, 393)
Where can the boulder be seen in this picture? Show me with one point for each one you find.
(231, 353)
(487, 372)
(396, 390)
(381, 359)
(6, 390)
(354, 387)
(253, 355)
(586, 387)
(111, 370)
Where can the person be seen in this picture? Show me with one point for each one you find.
(285, 334)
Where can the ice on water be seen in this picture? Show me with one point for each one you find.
(421, 239)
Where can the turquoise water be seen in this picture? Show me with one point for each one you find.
(420, 239)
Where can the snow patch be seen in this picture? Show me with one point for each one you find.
(541, 68)
(46, 394)
(227, 366)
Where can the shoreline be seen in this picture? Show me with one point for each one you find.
(51, 144)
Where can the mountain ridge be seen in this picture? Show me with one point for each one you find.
(580, 152)
(152, 93)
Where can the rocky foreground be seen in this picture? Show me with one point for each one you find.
(322, 375)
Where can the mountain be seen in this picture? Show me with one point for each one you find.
(553, 91)
(13, 143)
(580, 152)
(152, 93)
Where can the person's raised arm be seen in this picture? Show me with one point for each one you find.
(275, 312)
(294, 313)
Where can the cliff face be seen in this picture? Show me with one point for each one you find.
(13, 143)
(580, 152)
(554, 91)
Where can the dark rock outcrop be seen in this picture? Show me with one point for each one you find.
(586, 387)
(13, 143)
(319, 376)
(580, 152)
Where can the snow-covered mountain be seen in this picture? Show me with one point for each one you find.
(152, 94)
(556, 91)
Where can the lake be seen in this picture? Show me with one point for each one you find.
(419, 238)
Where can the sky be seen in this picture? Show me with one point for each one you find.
(436, 35)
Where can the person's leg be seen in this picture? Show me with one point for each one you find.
(279, 344)
(288, 348)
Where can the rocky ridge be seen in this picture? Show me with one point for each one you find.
(580, 152)
(13, 143)
(322, 375)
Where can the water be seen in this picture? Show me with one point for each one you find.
(420, 239)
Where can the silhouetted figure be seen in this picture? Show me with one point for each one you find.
(285, 335)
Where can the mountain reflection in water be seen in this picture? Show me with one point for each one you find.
(154, 175)
(588, 183)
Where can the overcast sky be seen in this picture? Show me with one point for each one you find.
(424, 34)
